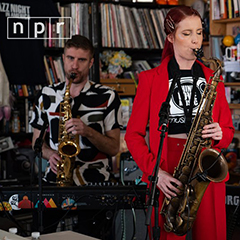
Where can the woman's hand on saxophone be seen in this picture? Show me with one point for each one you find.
(168, 184)
(213, 131)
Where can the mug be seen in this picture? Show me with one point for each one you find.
(231, 53)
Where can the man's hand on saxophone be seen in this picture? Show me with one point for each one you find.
(53, 161)
(107, 143)
(77, 126)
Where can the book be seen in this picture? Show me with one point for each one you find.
(30, 93)
(151, 28)
(119, 26)
(108, 26)
(140, 29)
(58, 71)
(20, 91)
(230, 9)
(141, 65)
(223, 9)
(125, 111)
(157, 29)
(160, 17)
(25, 90)
(85, 20)
(127, 42)
(115, 30)
(56, 80)
(94, 17)
(130, 75)
(236, 6)
(131, 28)
(215, 9)
(145, 28)
(48, 75)
(103, 24)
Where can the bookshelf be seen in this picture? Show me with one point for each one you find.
(220, 26)
(108, 22)
(90, 26)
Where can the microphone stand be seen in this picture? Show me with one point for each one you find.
(38, 151)
(153, 191)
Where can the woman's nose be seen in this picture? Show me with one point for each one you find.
(195, 39)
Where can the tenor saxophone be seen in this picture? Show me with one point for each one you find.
(68, 147)
(197, 167)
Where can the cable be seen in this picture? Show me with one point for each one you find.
(134, 223)
(123, 236)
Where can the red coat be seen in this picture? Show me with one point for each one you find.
(151, 92)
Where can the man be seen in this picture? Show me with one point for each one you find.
(98, 108)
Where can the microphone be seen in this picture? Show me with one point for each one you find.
(39, 140)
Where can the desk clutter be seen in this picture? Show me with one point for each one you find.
(4, 235)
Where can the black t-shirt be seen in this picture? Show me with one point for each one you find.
(23, 58)
(177, 118)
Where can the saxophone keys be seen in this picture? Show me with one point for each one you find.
(193, 149)
(168, 228)
(206, 114)
(183, 179)
(186, 170)
(179, 221)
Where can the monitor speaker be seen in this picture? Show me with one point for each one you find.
(129, 170)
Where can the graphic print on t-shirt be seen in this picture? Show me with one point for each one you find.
(176, 105)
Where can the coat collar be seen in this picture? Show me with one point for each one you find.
(163, 70)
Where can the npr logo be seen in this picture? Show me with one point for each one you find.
(39, 28)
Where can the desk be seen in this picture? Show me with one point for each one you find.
(4, 234)
(65, 235)
(52, 236)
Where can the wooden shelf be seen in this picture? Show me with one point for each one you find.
(229, 84)
(228, 20)
(234, 106)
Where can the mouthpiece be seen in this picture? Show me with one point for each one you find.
(73, 76)
(198, 52)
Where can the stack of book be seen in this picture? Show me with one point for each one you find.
(130, 27)
(223, 9)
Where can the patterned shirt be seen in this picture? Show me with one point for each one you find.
(99, 107)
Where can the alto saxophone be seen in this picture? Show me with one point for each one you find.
(196, 168)
(68, 147)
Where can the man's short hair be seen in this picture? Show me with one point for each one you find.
(78, 41)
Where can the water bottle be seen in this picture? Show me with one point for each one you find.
(35, 235)
(12, 230)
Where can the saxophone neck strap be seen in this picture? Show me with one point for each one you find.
(195, 71)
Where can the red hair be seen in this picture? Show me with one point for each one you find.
(175, 16)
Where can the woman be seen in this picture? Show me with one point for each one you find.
(183, 27)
